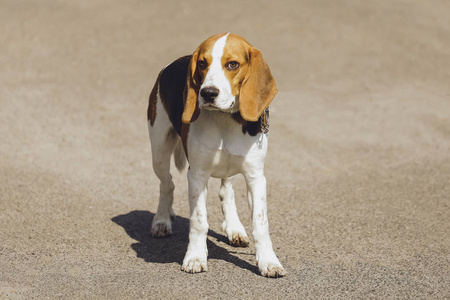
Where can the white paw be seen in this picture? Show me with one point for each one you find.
(161, 228)
(194, 264)
(270, 266)
(236, 236)
(272, 270)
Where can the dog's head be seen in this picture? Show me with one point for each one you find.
(228, 74)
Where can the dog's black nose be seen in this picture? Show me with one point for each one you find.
(209, 93)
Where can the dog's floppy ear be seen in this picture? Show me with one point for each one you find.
(191, 89)
(258, 88)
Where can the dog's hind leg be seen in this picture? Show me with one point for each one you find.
(163, 140)
(231, 225)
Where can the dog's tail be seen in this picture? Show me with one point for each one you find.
(179, 156)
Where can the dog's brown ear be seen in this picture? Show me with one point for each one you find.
(258, 88)
(191, 90)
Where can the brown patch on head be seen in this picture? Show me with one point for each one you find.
(236, 50)
(205, 55)
(252, 80)
(198, 67)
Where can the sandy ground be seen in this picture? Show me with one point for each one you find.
(358, 168)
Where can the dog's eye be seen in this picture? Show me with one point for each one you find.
(232, 65)
(202, 64)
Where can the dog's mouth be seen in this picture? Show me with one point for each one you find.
(213, 107)
(210, 106)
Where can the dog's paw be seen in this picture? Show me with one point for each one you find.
(269, 265)
(162, 224)
(194, 264)
(161, 228)
(239, 240)
(271, 270)
(237, 235)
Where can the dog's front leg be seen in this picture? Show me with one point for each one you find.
(267, 261)
(196, 255)
(231, 225)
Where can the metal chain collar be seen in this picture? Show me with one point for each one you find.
(265, 121)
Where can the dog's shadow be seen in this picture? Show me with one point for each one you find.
(137, 225)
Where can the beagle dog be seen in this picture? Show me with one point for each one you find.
(211, 108)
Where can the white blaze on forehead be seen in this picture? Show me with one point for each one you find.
(219, 46)
(215, 73)
(216, 76)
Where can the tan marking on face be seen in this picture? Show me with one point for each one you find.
(196, 76)
(205, 54)
(236, 50)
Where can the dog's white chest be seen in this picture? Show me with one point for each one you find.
(217, 144)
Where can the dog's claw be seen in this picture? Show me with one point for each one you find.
(273, 271)
(194, 265)
(239, 241)
(161, 229)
